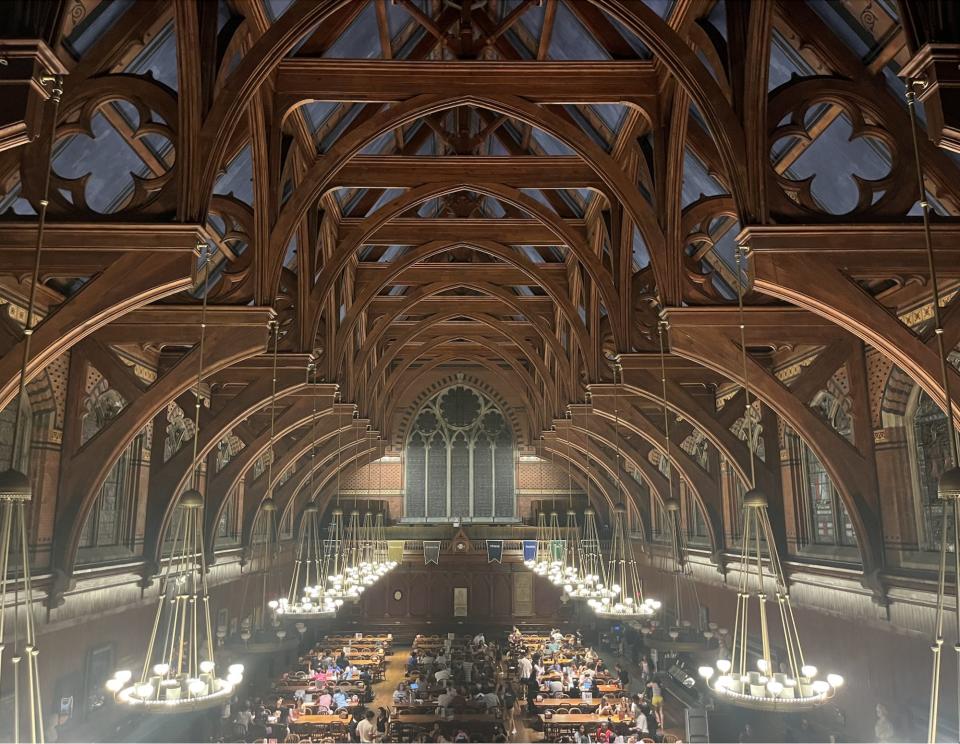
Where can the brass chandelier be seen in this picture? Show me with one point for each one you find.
(179, 670)
(794, 684)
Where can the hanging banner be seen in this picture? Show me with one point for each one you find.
(557, 549)
(395, 550)
(529, 550)
(431, 551)
(494, 551)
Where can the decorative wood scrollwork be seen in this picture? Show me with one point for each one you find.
(233, 223)
(792, 113)
(149, 110)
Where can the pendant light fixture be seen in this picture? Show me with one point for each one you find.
(541, 565)
(19, 638)
(593, 585)
(383, 550)
(306, 598)
(338, 589)
(625, 596)
(572, 562)
(557, 549)
(681, 633)
(179, 671)
(794, 685)
(261, 630)
(948, 488)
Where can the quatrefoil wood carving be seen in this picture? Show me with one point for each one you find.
(156, 111)
(891, 196)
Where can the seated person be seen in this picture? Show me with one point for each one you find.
(324, 699)
(586, 682)
(443, 674)
(554, 685)
(446, 698)
(412, 661)
(342, 661)
(401, 694)
(467, 667)
(340, 700)
(574, 690)
(441, 660)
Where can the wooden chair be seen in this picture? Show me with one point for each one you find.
(574, 711)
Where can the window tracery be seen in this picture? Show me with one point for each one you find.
(460, 461)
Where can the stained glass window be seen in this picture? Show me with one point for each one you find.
(460, 460)
(110, 521)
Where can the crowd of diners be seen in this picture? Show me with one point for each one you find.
(455, 688)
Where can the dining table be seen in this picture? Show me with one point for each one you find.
(560, 723)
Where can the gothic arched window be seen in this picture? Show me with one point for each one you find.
(931, 455)
(460, 460)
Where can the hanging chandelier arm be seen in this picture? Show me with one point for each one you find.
(747, 402)
(951, 504)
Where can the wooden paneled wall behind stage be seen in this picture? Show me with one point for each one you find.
(495, 593)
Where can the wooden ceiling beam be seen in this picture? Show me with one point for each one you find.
(523, 171)
(862, 250)
(389, 81)
(428, 273)
(415, 231)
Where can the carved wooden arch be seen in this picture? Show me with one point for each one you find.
(286, 501)
(681, 404)
(390, 404)
(579, 248)
(429, 290)
(528, 392)
(119, 289)
(98, 456)
(627, 490)
(504, 330)
(356, 458)
(706, 491)
(296, 417)
(602, 498)
(350, 444)
(845, 465)
(283, 35)
(321, 173)
(676, 55)
(175, 472)
(503, 252)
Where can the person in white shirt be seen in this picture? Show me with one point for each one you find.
(441, 660)
(442, 675)
(367, 729)
(642, 727)
(554, 685)
(467, 670)
(525, 667)
(479, 640)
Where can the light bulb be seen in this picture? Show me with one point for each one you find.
(144, 691)
(774, 687)
(724, 681)
(234, 679)
(808, 670)
(762, 665)
(723, 665)
(705, 672)
(273, 604)
(235, 669)
(123, 675)
(161, 669)
(196, 686)
(114, 685)
(206, 666)
(835, 680)
(820, 687)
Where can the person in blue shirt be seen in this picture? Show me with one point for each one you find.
(340, 699)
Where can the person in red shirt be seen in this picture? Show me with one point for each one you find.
(605, 733)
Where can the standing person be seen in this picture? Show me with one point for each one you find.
(509, 708)
(383, 722)
(624, 676)
(656, 699)
(533, 689)
(884, 730)
(524, 668)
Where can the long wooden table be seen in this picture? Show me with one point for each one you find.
(560, 722)
(567, 703)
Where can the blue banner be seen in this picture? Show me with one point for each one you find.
(494, 551)
(529, 550)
